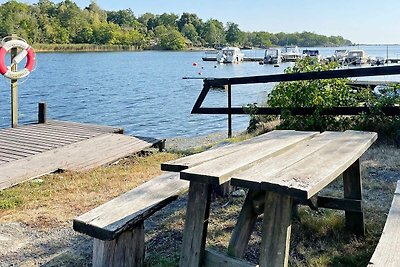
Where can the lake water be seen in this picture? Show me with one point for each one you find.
(143, 92)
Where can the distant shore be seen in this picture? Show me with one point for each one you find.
(101, 48)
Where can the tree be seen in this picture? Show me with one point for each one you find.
(124, 18)
(167, 19)
(172, 40)
(190, 18)
(233, 34)
(189, 31)
(213, 32)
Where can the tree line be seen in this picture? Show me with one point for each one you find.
(66, 23)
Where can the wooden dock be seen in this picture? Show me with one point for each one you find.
(33, 150)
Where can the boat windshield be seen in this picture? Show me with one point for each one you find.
(272, 52)
(291, 49)
(356, 54)
(340, 52)
(311, 52)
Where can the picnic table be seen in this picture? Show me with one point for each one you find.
(279, 168)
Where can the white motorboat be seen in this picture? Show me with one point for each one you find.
(272, 56)
(291, 53)
(230, 55)
(340, 56)
(357, 57)
(314, 54)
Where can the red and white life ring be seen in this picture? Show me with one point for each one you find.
(27, 51)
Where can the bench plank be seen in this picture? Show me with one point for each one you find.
(109, 220)
(219, 170)
(196, 159)
(306, 177)
(253, 177)
(387, 252)
(213, 258)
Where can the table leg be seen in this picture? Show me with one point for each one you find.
(276, 230)
(195, 232)
(353, 190)
(245, 224)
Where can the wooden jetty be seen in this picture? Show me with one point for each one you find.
(33, 150)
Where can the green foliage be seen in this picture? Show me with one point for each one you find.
(172, 40)
(252, 109)
(234, 35)
(9, 200)
(322, 94)
(65, 23)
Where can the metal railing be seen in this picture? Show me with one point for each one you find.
(209, 83)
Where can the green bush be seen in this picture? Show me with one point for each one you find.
(323, 94)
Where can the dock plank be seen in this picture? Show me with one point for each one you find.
(33, 150)
(71, 157)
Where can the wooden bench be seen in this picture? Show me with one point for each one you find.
(387, 251)
(118, 225)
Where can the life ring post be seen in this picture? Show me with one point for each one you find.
(14, 87)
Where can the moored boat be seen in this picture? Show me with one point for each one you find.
(272, 56)
(291, 53)
(357, 57)
(230, 55)
(314, 54)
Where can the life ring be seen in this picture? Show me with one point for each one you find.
(27, 51)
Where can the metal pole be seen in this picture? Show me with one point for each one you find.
(229, 110)
(14, 90)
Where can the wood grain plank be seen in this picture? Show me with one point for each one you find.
(16, 151)
(387, 251)
(49, 132)
(213, 258)
(253, 177)
(8, 156)
(128, 249)
(64, 128)
(34, 138)
(43, 134)
(306, 177)
(20, 170)
(196, 159)
(94, 127)
(245, 225)
(276, 230)
(219, 170)
(106, 222)
(109, 152)
(57, 134)
(196, 223)
(7, 145)
(352, 187)
(12, 141)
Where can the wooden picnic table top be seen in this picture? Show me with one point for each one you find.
(295, 163)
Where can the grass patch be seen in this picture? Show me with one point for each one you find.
(61, 197)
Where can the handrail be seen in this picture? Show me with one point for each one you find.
(313, 75)
(208, 83)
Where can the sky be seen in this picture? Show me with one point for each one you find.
(361, 21)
